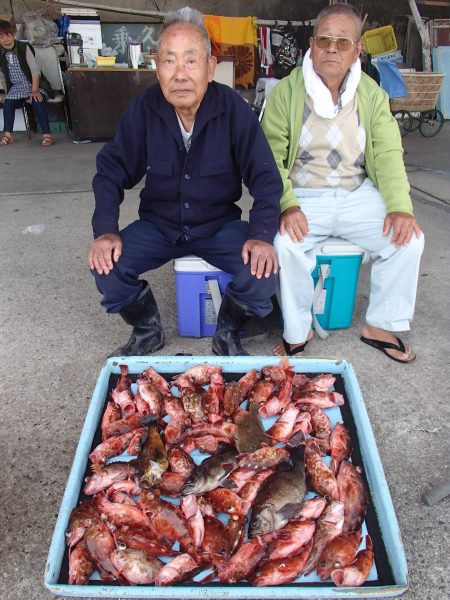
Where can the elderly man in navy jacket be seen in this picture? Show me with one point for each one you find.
(195, 140)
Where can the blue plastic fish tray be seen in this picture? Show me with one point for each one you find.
(389, 575)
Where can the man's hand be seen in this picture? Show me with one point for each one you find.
(403, 226)
(294, 221)
(104, 252)
(36, 95)
(262, 256)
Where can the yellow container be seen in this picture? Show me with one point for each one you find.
(380, 40)
(105, 61)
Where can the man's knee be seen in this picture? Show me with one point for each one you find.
(415, 246)
(285, 246)
(117, 292)
(419, 242)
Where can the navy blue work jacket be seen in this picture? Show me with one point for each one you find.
(190, 194)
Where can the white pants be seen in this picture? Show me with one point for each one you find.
(358, 217)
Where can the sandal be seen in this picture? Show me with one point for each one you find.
(47, 140)
(288, 351)
(383, 346)
(7, 139)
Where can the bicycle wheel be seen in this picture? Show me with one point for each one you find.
(404, 121)
(431, 123)
(415, 120)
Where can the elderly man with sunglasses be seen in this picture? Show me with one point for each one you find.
(339, 153)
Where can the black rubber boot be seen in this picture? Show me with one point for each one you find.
(148, 334)
(226, 340)
(254, 329)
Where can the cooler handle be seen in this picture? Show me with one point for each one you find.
(216, 296)
(323, 272)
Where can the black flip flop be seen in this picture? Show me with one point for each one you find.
(296, 349)
(382, 346)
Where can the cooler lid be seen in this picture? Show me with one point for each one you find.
(338, 246)
(193, 264)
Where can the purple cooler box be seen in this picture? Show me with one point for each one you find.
(199, 290)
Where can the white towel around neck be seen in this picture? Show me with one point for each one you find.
(321, 95)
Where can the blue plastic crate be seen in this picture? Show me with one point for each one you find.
(196, 312)
(383, 513)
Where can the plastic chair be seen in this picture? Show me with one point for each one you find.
(28, 118)
(27, 112)
(48, 60)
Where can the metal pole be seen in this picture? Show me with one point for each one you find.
(128, 11)
(424, 36)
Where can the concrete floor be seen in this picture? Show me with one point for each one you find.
(55, 338)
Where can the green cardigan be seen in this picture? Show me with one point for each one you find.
(282, 122)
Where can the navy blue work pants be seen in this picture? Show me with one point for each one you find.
(9, 113)
(146, 248)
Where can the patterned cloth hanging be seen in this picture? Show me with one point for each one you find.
(285, 49)
(235, 36)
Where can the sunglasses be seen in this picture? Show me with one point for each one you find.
(325, 41)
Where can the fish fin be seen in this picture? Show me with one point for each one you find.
(166, 542)
(209, 577)
(297, 440)
(106, 575)
(228, 466)
(334, 466)
(187, 489)
(227, 483)
(289, 510)
(149, 418)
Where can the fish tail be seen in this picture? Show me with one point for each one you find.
(298, 440)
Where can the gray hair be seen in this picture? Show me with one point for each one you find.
(340, 9)
(188, 16)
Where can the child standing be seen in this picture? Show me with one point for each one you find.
(21, 73)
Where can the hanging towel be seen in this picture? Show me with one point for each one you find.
(235, 36)
(265, 49)
(391, 80)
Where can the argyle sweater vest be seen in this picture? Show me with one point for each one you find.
(331, 151)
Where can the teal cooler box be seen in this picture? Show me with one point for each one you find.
(199, 289)
(336, 280)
